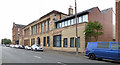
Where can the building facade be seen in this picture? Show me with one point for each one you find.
(56, 30)
(118, 20)
(16, 33)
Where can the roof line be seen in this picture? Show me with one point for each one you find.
(45, 16)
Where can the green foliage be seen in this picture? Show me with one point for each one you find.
(5, 41)
(93, 29)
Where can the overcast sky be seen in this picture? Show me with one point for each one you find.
(26, 11)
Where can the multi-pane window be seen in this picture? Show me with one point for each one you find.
(85, 18)
(60, 25)
(77, 20)
(80, 19)
(63, 24)
(72, 21)
(48, 44)
(44, 39)
(42, 27)
(65, 42)
(72, 42)
(66, 23)
(32, 41)
(45, 26)
(78, 42)
(48, 25)
(57, 41)
(39, 27)
(18, 29)
(69, 22)
(34, 29)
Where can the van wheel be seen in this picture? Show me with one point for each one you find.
(92, 56)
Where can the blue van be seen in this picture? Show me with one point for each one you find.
(103, 50)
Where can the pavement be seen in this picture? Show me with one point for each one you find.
(12, 55)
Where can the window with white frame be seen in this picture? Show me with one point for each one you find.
(60, 25)
(80, 19)
(63, 24)
(69, 22)
(18, 29)
(72, 21)
(85, 18)
(66, 23)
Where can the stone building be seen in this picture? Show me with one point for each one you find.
(16, 33)
(118, 20)
(56, 30)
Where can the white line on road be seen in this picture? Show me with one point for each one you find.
(61, 63)
(37, 57)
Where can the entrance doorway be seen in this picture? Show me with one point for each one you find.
(38, 39)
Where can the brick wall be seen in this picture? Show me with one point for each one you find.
(106, 21)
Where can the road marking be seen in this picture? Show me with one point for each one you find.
(37, 57)
(61, 63)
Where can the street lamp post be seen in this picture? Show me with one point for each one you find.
(76, 28)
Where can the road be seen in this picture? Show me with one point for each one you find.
(12, 55)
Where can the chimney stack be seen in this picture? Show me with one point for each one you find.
(117, 20)
(70, 11)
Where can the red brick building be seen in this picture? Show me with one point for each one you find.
(105, 18)
(118, 20)
(16, 33)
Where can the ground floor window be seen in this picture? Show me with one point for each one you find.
(32, 41)
(26, 42)
(65, 42)
(78, 42)
(44, 39)
(72, 42)
(57, 41)
(48, 44)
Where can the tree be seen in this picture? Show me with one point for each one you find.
(93, 29)
(5, 41)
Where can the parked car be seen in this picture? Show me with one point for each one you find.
(7, 45)
(16, 46)
(27, 47)
(21, 47)
(12, 46)
(37, 48)
(103, 50)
